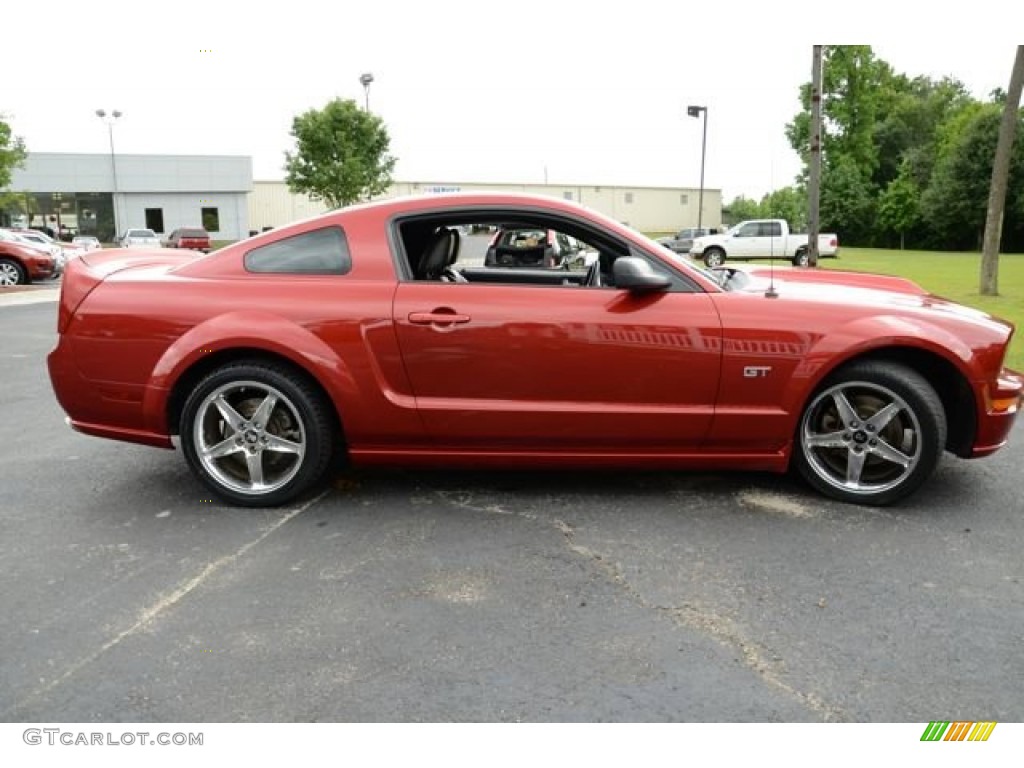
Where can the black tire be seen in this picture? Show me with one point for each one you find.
(252, 450)
(12, 273)
(802, 258)
(872, 434)
(714, 257)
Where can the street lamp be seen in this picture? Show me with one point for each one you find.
(694, 111)
(110, 120)
(366, 78)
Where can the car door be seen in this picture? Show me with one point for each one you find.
(744, 241)
(559, 368)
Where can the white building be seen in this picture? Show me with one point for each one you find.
(648, 209)
(101, 194)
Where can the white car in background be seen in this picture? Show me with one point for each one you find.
(140, 238)
(86, 243)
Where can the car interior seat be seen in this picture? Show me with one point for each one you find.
(439, 254)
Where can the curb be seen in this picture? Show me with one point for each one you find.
(40, 296)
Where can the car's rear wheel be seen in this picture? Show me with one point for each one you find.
(802, 258)
(872, 435)
(257, 434)
(11, 273)
(714, 257)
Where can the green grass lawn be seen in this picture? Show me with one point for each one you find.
(953, 276)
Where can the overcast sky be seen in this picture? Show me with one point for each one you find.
(578, 93)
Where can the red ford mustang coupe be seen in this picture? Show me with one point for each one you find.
(377, 334)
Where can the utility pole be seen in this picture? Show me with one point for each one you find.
(696, 111)
(814, 181)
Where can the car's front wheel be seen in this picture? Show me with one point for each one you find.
(872, 435)
(257, 434)
(714, 257)
(11, 273)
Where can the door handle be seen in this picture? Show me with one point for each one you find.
(437, 317)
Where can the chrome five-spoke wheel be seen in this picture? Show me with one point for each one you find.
(873, 435)
(250, 437)
(256, 434)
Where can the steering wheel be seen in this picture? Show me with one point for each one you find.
(593, 278)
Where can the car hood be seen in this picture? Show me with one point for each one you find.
(833, 288)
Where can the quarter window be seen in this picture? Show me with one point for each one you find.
(321, 252)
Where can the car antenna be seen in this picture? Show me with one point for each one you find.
(771, 293)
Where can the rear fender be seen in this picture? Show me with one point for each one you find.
(252, 330)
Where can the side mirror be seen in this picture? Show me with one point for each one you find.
(637, 276)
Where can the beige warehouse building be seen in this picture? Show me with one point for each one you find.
(648, 209)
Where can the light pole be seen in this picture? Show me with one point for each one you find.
(694, 111)
(110, 120)
(366, 78)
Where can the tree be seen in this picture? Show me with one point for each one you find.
(856, 89)
(341, 154)
(1000, 179)
(789, 203)
(740, 209)
(899, 207)
(847, 201)
(909, 127)
(12, 155)
(955, 201)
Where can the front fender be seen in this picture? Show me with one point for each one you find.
(869, 334)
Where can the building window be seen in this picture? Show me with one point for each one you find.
(567, 194)
(211, 220)
(684, 199)
(629, 197)
(155, 219)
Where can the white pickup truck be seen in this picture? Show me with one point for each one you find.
(760, 239)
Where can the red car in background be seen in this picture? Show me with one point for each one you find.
(368, 334)
(22, 262)
(192, 238)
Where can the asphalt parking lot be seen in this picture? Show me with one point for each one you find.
(437, 596)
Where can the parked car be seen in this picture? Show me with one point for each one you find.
(193, 238)
(139, 238)
(681, 241)
(760, 239)
(86, 242)
(22, 262)
(530, 247)
(359, 335)
(61, 251)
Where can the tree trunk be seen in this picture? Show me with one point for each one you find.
(1000, 173)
